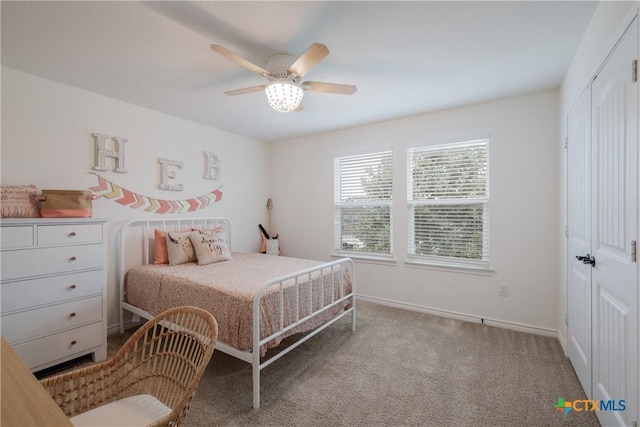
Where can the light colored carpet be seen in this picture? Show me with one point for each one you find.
(400, 368)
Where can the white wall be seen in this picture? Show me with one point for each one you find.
(47, 142)
(607, 25)
(523, 220)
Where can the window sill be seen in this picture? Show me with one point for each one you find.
(465, 269)
(371, 259)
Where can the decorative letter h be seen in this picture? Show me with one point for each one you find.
(102, 153)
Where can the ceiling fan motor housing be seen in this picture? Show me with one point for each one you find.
(278, 66)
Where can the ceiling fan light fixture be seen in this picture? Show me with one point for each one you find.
(284, 97)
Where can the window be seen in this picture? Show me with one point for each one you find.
(362, 196)
(448, 201)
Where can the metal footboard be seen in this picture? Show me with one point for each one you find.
(342, 269)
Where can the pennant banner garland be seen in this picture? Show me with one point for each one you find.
(138, 201)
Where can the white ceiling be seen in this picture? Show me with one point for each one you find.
(406, 58)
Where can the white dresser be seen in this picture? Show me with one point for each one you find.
(53, 289)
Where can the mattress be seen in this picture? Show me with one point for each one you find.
(227, 289)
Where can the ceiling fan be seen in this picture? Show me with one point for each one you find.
(284, 91)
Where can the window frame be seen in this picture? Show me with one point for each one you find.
(386, 203)
(449, 261)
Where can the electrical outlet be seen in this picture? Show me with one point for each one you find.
(503, 290)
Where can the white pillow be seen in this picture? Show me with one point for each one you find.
(179, 247)
(210, 247)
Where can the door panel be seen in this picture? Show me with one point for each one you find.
(614, 215)
(579, 244)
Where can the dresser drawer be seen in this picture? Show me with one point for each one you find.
(24, 325)
(16, 237)
(49, 235)
(49, 290)
(41, 261)
(44, 350)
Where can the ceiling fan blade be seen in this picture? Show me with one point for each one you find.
(245, 90)
(309, 59)
(239, 60)
(330, 88)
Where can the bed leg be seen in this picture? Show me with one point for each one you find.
(353, 316)
(256, 385)
(353, 321)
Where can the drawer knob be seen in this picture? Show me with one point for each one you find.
(72, 287)
(72, 315)
(72, 234)
(73, 258)
(74, 342)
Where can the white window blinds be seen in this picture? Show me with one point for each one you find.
(448, 201)
(362, 198)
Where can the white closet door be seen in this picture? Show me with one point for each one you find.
(615, 219)
(579, 244)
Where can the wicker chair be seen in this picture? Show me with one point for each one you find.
(150, 381)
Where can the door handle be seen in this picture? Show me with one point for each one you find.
(587, 259)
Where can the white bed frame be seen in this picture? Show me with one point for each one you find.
(143, 229)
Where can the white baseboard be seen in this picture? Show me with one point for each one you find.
(563, 343)
(464, 317)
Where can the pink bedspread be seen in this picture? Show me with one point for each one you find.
(226, 289)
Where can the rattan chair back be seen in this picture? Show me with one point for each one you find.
(165, 358)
